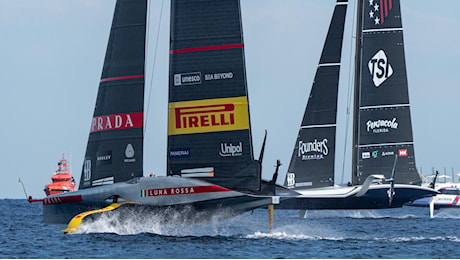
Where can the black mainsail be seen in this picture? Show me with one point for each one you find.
(312, 162)
(382, 132)
(209, 134)
(115, 145)
(383, 128)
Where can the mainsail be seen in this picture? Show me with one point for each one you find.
(209, 134)
(115, 145)
(383, 128)
(312, 162)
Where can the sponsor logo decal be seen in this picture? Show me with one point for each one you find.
(375, 154)
(218, 76)
(191, 78)
(315, 150)
(117, 121)
(403, 152)
(87, 170)
(377, 12)
(179, 152)
(211, 115)
(388, 153)
(290, 179)
(104, 158)
(230, 150)
(381, 126)
(366, 155)
(181, 190)
(380, 68)
(129, 153)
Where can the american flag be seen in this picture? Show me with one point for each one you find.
(379, 10)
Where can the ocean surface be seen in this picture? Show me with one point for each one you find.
(406, 232)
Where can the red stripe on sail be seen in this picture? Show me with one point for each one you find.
(208, 48)
(123, 77)
(386, 8)
(117, 121)
(390, 4)
(382, 13)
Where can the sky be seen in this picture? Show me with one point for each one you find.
(52, 52)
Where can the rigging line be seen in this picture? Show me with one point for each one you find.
(154, 58)
(350, 90)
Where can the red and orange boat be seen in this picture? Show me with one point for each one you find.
(63, 181)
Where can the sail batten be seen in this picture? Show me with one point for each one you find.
(318, 126)
(122, 78)
(208, 48)
(384, 106)
(385, 144)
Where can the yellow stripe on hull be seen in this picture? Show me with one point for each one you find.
(75, 222)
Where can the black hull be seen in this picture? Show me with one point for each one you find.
(375, 198)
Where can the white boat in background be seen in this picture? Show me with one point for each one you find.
(448, 196)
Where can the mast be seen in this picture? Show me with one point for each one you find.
(209, 133)
(383, 127)
(357, 79)
(115, 144)
(312, 161)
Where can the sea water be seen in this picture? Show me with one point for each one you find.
(406, 232)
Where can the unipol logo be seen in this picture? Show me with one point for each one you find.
(227, 150)
(380, 68)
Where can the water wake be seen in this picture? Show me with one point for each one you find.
(361, 214)
(165, 222)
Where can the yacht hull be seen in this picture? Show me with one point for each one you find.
(185, 196)
(376, 197)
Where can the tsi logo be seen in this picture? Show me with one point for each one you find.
(379, 68)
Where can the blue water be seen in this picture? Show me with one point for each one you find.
(406, 232)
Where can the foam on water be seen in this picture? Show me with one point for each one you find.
(447, 213)
(288, 236)
(166, 222)
(360, 214)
